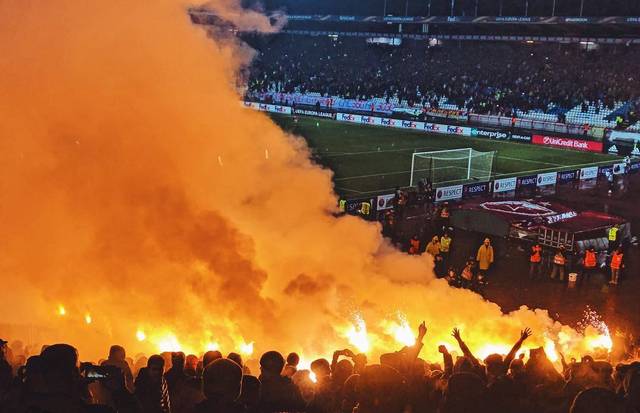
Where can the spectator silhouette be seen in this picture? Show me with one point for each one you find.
(222, 386)
(278, 393)
(117, 358)
(151, 387)
(292, 365)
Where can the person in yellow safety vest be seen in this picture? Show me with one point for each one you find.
(559, 262)
(444, 215)
(466, 276)
(616, 265)
(414, 245)
(589, 264)
(485, 259)
(535, 261)
(433, 247)
(445, 245)
(365, 208)
(342, 205)
(613, 238)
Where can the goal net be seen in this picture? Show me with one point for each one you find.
(455, 166)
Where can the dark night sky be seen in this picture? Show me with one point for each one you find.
(463, 7)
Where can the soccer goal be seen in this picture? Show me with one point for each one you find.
(453, 166)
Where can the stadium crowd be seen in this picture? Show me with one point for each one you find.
(54, 382)
(485, 78)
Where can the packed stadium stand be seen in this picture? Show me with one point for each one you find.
(548, 82)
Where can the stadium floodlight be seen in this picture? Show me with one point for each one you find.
(453, 166)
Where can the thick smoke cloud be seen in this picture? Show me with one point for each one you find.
(136, 189)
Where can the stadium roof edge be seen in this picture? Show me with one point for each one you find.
(520, 20)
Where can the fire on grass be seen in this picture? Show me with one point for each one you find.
(372, 338)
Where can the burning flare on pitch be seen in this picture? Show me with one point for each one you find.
(357, 335)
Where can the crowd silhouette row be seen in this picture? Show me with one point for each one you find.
(486, 78)
(399, 382)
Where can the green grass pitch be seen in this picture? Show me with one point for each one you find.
(371, 159)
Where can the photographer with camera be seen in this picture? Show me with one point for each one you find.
(107, 387)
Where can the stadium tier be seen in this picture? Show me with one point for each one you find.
(543, 82)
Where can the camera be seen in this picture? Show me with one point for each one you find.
(91, 372)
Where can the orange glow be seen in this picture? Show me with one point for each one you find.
(488, 349)
(550, 350)
(357, 334)
(88, 319)
(400, 330)
(602, 341)
(246, 348)
(61, 310)
(140, 335)
(168, 342)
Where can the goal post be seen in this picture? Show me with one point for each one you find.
(453, 166)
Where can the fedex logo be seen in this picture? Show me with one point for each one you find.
(264, 107)
(387, 122)
(432, 127)
(368, 119)
(347, 117)
(280, 109)
(407, 124)
(455, 130)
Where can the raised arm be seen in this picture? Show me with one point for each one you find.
(565, 366)
(524, 334)
(463, 346)
(336, 357)
(411, 353)
(447, 360)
